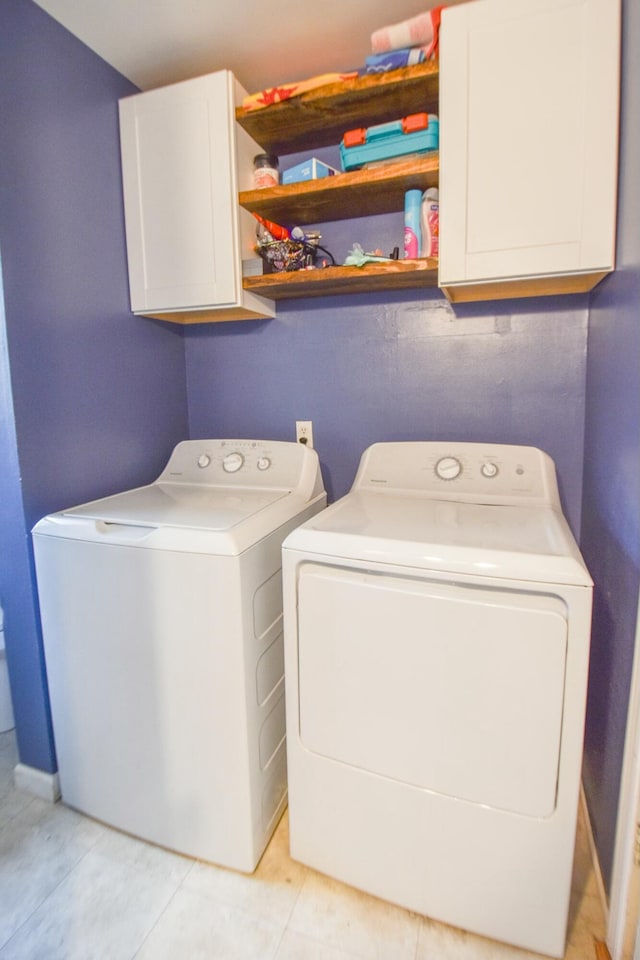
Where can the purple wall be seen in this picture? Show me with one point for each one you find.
(16, 590)
(99, 398)
(367, 369)
(611, 512)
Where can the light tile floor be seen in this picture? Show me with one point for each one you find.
(73, 889)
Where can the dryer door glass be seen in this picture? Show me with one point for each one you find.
(453, 688)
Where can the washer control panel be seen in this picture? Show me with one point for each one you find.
(266, 464)
(470, 471)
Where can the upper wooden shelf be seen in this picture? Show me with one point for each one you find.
(320, 117)
(346, 195)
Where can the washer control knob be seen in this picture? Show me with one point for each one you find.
(204, 460)
(489, 470)
(232, 462)
(448, 468)
(264, 463)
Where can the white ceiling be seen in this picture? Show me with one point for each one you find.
(155, 42)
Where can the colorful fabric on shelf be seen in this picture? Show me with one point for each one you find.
(394, 59)
(419, 31)
(285, 91)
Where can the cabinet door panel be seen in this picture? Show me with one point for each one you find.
(516, 197)
(523, 113)
(178, 181)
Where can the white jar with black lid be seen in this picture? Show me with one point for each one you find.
(265, 170)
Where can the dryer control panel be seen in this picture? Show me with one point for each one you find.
(476, 472)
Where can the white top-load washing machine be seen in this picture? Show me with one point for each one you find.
(436, 648)
(162, 620)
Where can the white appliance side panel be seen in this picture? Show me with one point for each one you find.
(261, 601)
(453, 689)
(145, 666)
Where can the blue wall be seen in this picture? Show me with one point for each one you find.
(367, 369)
(611, 524)
(99, 398)
(26, 662)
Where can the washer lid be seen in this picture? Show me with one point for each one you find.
(492, 540)
(181, 505)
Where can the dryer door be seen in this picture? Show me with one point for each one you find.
(453, 688)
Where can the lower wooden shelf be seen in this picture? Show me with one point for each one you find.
(331, 281)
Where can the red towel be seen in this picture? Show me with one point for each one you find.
(419, 31)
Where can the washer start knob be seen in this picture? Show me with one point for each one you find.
(232, 462)
(448, 468)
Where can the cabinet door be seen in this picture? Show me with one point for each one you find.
(180, 189)
(528, 139)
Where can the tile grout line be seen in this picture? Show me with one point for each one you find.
(62, 880)
(293, 906)
(155, 923)
(28, 804)
(158, 918)
(593, 852)
(323, 943)
(418, 938)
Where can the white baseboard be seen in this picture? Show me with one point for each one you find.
(40, 784)
(594, 855)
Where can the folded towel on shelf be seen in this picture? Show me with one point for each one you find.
(285, 91)
(381, 62)
(419, 31)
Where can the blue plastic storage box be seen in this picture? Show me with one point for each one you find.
(418, 133)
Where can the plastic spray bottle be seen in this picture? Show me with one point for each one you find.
(430, 223)
(412, 232)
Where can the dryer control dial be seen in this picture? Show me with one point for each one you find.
(232, 462)
(489, 469)
(448, 468)
(263, 463)
(204, 460)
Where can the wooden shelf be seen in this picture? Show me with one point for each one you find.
(320, 117)
(330, 281)
(346, 195)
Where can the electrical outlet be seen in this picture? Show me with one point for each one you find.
(304, 432)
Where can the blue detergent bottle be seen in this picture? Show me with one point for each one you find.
(412, 232)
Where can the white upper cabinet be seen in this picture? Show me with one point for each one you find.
(529, 94)
(184, 159)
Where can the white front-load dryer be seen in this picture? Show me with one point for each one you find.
(436, 649)
(162, 623)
